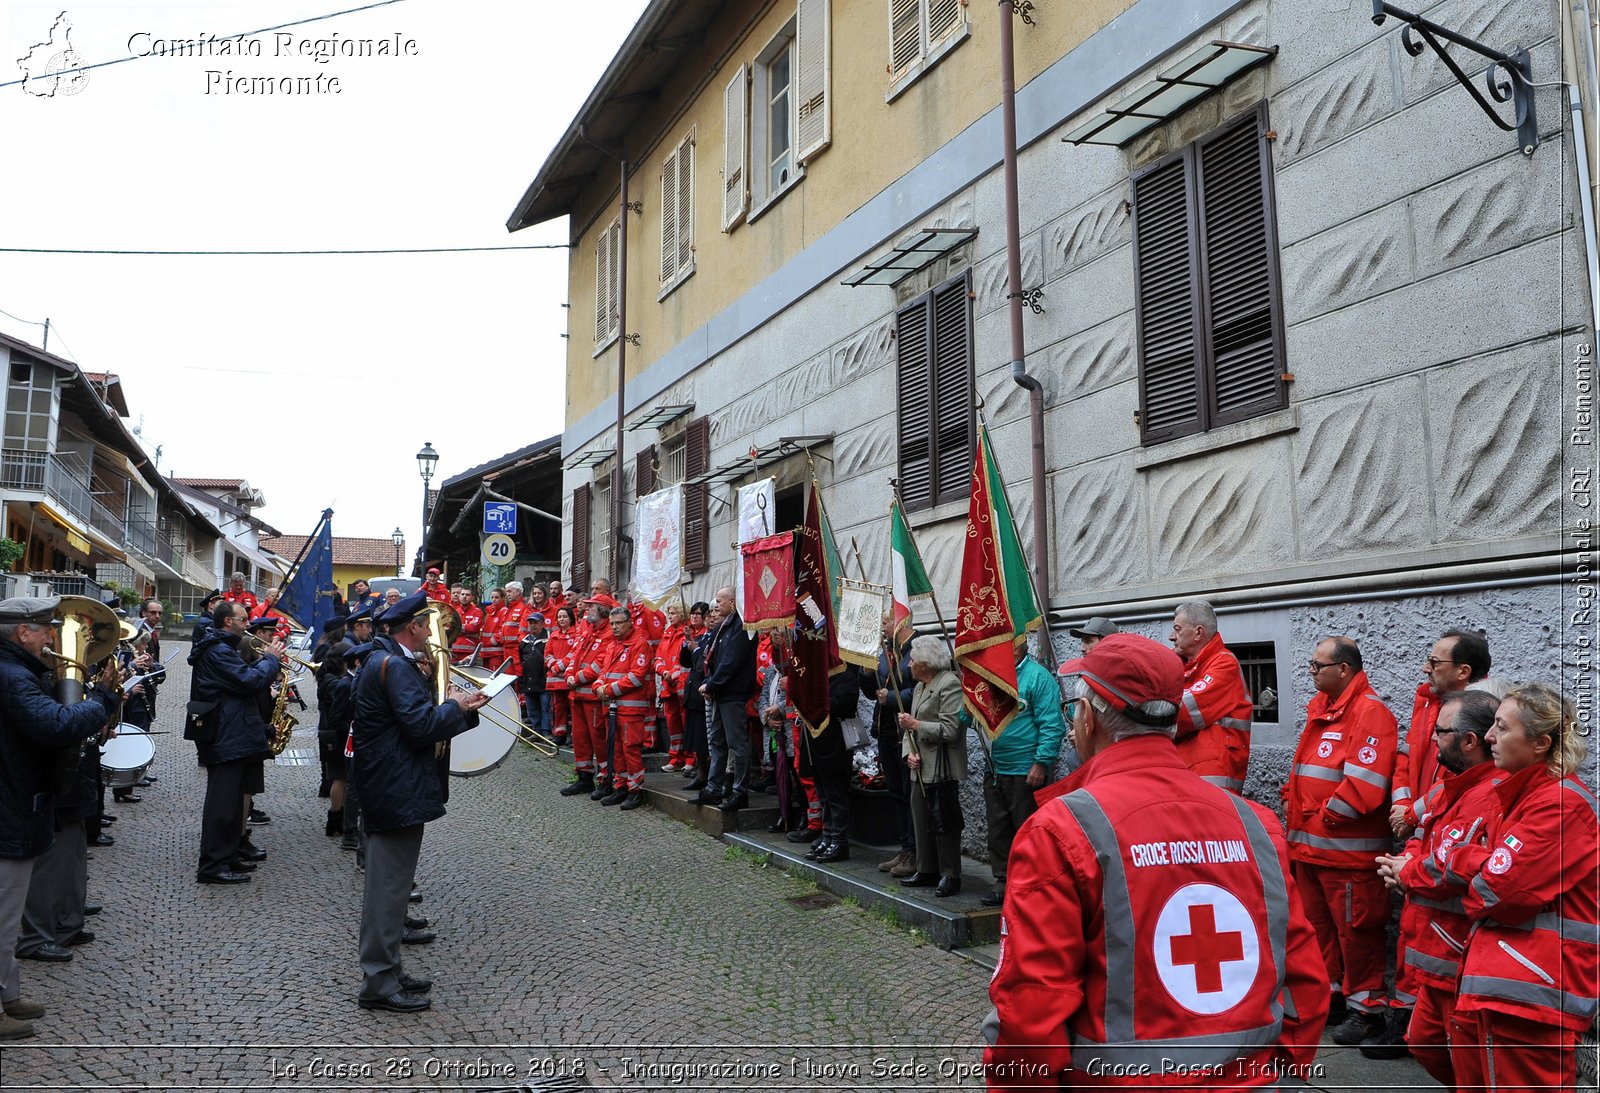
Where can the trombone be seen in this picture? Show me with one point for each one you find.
(262, 646)
(444, 626)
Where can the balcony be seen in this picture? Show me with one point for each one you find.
(71, 584)
(64, 481)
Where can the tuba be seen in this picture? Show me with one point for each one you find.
(444, 627)
(88, 635)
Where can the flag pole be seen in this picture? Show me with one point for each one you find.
(933, 597)
(327, 514)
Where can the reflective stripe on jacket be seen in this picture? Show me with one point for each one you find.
(587, 663)
(1337, 798)
(557, 658)
(1535, 946)
(512, 625)
(628, 676)
(1214, 719)
(1433, 924)
(1417, 770)
(1151, 938)
(669, 661)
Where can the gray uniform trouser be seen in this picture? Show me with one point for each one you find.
(1007, 803)
(391, 871)
(54, 908)
(728, 733)
(15, 876)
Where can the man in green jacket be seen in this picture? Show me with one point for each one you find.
(1021, 759)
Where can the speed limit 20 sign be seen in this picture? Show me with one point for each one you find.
(498, 550)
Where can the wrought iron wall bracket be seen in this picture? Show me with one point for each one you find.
(1023, 8)
(1032, 299)
(1515, 85)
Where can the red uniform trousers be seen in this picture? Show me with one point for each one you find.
(1496, 1051)
(809, 785)
(672, 709)
(589, 736)
(560, 713)
(631, 724)
(1349, 910)
(1429, 1034)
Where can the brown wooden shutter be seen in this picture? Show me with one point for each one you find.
(951, 373)
(645, 472)
(915, 402)
(1238, 248)
(1165, 302)
(580, 538)
(696, 509)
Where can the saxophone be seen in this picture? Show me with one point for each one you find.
(283, 722)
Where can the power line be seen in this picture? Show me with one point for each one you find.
(247, 34)
(272, 253)
(27, 322)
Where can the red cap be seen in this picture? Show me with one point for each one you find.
(433, 572)
(1128, 669)
(603, 600)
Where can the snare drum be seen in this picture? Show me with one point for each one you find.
(480, 750)
(125, 757)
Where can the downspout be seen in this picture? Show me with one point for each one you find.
(1019, 368)
(1579, 63)
(622, 349)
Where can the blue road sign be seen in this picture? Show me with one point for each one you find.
(499, 518)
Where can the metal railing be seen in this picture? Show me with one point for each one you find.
(22, 470)
(71, 584)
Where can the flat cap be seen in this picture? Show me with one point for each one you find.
(35, 609)
(265, 622)
(1097, 627)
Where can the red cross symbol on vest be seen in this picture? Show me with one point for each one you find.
(1206, 948)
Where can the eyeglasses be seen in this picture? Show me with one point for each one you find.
(1317, 666)
(1440, 730)
(1070, 708)
(1434, 662)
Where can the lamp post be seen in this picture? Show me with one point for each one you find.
(399, 540)
(427, 460)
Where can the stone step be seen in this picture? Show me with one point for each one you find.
(955, 922)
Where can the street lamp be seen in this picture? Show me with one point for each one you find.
(399, 540)
(427, 460)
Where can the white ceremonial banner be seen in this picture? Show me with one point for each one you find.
(758, 508)
(658, 553)
(860, 621)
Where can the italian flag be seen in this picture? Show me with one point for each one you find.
(996, 608)
(910, 576)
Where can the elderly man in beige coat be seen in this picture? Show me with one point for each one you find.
(935, 747)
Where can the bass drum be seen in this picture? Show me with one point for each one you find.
(478, 751)
(125, 757)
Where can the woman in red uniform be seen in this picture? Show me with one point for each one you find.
(558, 663)
(492, 617)
(673, 678)
(1531, 971)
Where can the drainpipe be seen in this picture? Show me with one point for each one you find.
(622, 350)
(1019, 368)
(1578, 62)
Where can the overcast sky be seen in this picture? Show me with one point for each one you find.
(315, 378)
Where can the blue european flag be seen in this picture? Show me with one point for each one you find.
(308, 595)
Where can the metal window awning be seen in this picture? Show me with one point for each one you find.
(760, 457)
(1210, 68)
(916, 251)
(590, 459)
(660, 417)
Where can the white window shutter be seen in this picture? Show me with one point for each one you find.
(602, 286)
(905, 33)
(669, 215)
(616, 277)
(686, 203)
(735, 113)
(945, 18)
(812, 49)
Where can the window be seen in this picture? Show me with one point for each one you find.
(1206, 294)
(677, 215)
(600, 525)
(1258, 660)
(580, 539)
(608, 285)
(933, 341)
(696, 509)
(672, 467)
(31, 406)
(786, 114)
(920, 32)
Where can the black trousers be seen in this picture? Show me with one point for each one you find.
(897, 780)
(694, 733)
(222, 818)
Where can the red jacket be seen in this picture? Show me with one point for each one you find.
(1337, 797)
(674, 676)
(558, 650)
(513, 623)
(587, 666)
(282, 632)
(245, 597)
(1417, 770)
(437, 592)
(1150, 921)
(1535, 946)
(628, 675)
(1434, 924)
(471, 631)
(1214, 723)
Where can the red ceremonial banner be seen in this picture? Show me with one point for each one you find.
(816, 646)
(769, 582)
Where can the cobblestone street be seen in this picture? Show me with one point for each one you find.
(574, 942)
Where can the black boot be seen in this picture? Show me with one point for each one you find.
(602, 789)
(1391, 1042)
(584, 784)
(335, 822)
